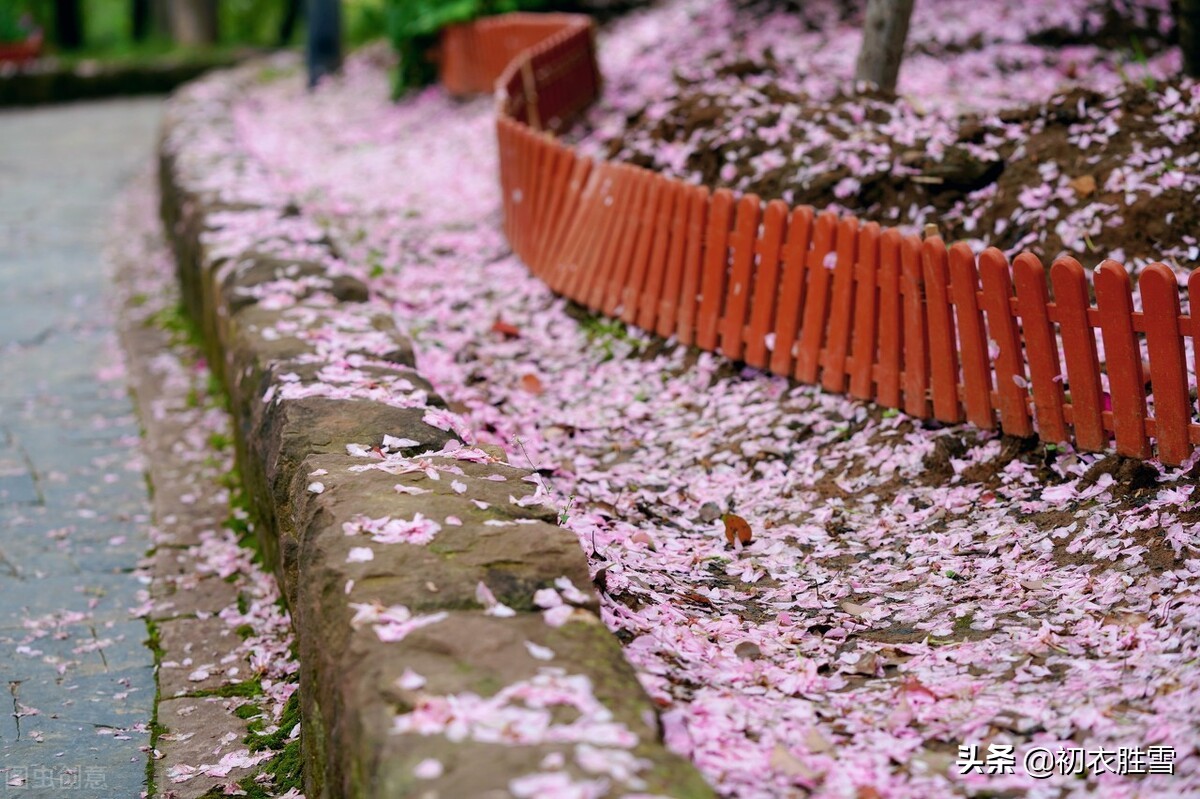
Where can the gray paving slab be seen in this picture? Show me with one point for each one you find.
(73, 504)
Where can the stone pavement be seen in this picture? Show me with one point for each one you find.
(73, 500)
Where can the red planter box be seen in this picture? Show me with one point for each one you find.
(21, 52)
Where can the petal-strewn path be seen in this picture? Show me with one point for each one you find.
(73, 500)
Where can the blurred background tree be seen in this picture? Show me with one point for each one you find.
(129, 28)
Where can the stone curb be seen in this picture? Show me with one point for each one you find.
(301, 455)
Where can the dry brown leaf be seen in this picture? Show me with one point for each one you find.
(532, 384)
(505, 329)
(867, 665)
(737, 527)
(1083, 185)
(785, 761)
(1125, 619)
(855, 609)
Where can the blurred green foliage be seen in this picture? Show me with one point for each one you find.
(13, 26)
(108, 24)
(413, 26)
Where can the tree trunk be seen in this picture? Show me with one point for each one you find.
(194, 22)
(1188, 23)
(139, 18)
(68, 24)
(324, 50)
(292, 9)
(884, 33)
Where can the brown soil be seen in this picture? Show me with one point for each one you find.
(949, 182)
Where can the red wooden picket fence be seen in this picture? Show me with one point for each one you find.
(906, 322)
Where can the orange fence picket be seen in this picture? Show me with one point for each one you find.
(1079, 350)
(1008, 362)
(816, 301)
(656, 275)
(866, 305)
(1168, 367)
(668, 302)
(891, 327)
(623, 296)
(860, 309)
(714, 277)
(973, 347)
(943, 348)
(737, 292)
(700, 201)
(1126, 383)
(766, 283)
(791, 291)
(916, 329)
(837, 342)
(1041, 347)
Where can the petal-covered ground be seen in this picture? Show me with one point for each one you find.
(908, 589)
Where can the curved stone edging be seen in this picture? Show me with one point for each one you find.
(286, 443)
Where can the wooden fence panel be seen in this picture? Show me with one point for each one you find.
(716, 265)
(699, 207)
(565, 163)
(866, 309)
(622, 207)
(841, 312)
(548, 193)
(916, 329)
(791, 290)
(582, 231)
(766, 283)
(534, 182)
(891, 326)
(1071, 306)
(1192, 327)
(1009, 363)
(626, 291)
(668, 302)
(1041, 347)
(644, 311)
(606, 293)
(606, 222)
(737, 291)
(820, 264)
(1168, 367)
(1123, 356)
(566, 222)
(943, 341)
(504, 133)
(581, 202)
(976, 367)
(592, 224)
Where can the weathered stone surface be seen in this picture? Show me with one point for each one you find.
(513, 560)
(348, 688)
(195, 648)
(197, 731)
(467, 653)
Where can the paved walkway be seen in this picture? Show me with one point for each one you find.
(73, 500)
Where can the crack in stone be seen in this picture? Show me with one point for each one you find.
(14, 688)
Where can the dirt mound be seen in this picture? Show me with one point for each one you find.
(1082, 174)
